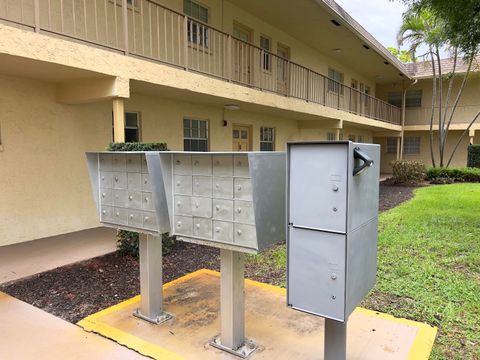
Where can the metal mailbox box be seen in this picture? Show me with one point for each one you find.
(332, 212)
(233, 201)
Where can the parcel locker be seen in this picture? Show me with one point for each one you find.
(332, 211)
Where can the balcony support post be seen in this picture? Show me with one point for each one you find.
(118, 120)
(229, 58)
(125, 25)
(185, 39)
(36, 9)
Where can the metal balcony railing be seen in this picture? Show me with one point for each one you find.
(146, 29)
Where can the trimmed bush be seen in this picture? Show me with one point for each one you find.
(407, 172)
(473, 156)
(127, 241)
(469, 174)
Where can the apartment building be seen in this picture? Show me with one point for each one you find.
(418, 112)
(209, 75)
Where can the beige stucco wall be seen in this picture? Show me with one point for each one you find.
(459, 159)
(43, 182)
(468, 106)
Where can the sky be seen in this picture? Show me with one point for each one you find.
(382, 18)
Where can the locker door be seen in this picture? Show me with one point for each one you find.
(316, 272)
(318, 186)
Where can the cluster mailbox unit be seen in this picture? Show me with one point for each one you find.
(332, 220)
(233, 201)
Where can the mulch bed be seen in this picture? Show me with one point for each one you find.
(75, 291)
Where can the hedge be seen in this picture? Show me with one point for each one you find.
(127, 241)
(407, 172)
(473, 156)
(445, 175)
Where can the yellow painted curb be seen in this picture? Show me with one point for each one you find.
(420, 349)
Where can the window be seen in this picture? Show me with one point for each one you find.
(413, 98)
(265, 44)
(267, 139)
(197, 32)
(132, 127)
(351, 137)
(411, 145)
(340, 136)
(331, 136)
(335, 83)
(361, 139)
(392, 145)
(195, 135)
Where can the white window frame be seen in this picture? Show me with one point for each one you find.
(411, 145)
(270, 142)
(391, 145)
(126, 127)
(191, 137)
(266, 54)
(197, 32)
(336, 80)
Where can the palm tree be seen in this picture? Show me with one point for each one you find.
(421, 27)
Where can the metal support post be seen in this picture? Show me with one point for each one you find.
(232, 305)
(335, 347)
(151, 291)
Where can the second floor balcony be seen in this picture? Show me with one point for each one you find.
(146, 29)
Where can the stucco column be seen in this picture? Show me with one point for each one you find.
(471, 133)
(118, 120)
(337, 134)
(399, 148)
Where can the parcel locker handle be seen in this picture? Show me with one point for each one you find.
(367, 162)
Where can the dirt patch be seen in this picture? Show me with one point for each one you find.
(75, 291)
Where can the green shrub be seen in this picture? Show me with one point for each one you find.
(128, 244)
(468, 174)
(127, 241)
(137, 147)
(473, 156)
(407, 172)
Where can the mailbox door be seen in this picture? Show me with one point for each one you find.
(318, 177)
(316, 272)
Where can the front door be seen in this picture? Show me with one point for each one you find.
(242, 54)
(283, 68)
(241, 136)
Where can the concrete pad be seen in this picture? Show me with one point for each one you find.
(27, 332)
(33, 257)
(282, 333)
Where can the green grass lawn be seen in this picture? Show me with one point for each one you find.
(428, 266)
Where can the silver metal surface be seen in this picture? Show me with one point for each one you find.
(226, 200)
(332, 227)
(335, 340)
(151, 291)
(232, 298)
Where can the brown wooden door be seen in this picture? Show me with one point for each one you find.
(283, 68)
(241, 138)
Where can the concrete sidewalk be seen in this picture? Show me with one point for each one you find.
(33, 257)
(30, 333)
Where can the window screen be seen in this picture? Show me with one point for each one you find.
(195, 135)
(391, 145)
(132, 127)
(267, 139)
(335, 85)
(413, 98)
(197, 32)
(331, 136)
(411, 145)
(265, 44)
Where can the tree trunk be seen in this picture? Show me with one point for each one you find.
(447, 99)
(434, 98)
(461, 137)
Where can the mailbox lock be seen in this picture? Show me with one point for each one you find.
(239, 210)
(179, 204)
(335, 209)
(178, 162)
(196, 162)
(103, 194)
(217, 229)
(198, 226)
(146, 199)
(335, 188)
(196, 205)
(333, 276)
(239, 187)
(116, 178)
(146, 218)
(217, 207)
(197, 184)
(131, 216)
(130, 197)
(179, 224)
(239, 232)
(178, 183)
(333, 297)
(104, 212)
(217, 186)
(117, 213)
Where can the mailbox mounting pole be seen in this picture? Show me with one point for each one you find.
(232, 305)
(335, 346)
(151, 281)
